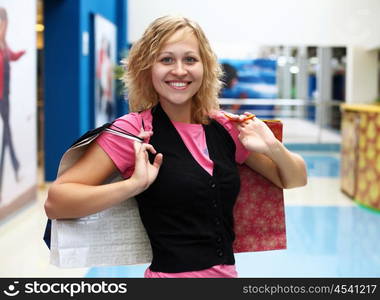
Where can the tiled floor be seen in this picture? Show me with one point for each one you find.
(327, 236)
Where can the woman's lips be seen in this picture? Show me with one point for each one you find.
(178, 85)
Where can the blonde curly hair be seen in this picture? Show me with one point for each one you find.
(143, 54)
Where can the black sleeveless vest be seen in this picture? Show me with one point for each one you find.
(187, 213)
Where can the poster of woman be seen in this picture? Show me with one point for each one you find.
(105, 60)
(18, 136)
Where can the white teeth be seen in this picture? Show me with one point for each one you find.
(178, 84)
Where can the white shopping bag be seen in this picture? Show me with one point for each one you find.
(115, 236)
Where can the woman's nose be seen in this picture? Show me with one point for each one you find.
(179, 69)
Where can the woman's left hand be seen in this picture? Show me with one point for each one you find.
(256, 136)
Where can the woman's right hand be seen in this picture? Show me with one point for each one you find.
(145, 172)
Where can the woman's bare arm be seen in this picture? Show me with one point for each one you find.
(284, 168)
(269, 156)
(79, 191)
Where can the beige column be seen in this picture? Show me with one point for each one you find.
(362, 75)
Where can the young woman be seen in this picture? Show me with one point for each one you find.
(185, 176)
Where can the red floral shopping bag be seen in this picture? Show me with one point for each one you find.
(259, 213)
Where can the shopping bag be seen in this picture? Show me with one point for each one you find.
(259, 211)
(115, 236)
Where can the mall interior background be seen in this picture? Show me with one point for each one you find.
(297, 61)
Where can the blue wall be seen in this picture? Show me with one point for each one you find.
(68, 84)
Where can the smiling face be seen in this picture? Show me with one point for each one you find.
(177, 73)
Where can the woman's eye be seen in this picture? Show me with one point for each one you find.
(190, 60)
(166, 60)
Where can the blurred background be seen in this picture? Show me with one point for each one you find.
(313, 64)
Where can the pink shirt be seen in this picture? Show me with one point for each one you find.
(122, 154)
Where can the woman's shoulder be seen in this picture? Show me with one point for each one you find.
(241, 153)
(135, 120)
(220, 117)
(131, 116)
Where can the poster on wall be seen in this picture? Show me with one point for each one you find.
(253, 79)
(105, 61)
(18, 130)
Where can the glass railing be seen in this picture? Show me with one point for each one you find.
(319, 121)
